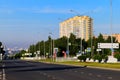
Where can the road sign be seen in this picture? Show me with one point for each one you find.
(108, 45)
(98, 50)
(88, 49)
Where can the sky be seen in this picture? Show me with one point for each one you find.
(24, 22)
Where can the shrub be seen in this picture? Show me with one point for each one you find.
(117, 55)
(82, 58)
(105, 59)
(97, 57)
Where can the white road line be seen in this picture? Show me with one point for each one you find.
(82, 72)
(75, 71)
(49, 76)
(90, 74)
(98, 75)
(0, 75)
(44, 74)
(3, 73)
(109, 77)
(53, 78)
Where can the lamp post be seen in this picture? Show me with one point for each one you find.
(52, 45)
(79, 30)
(44, 49)
(111, 27)
(67, 35)
(82, 29)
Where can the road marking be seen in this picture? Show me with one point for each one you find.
(3, 73)
(53, 78)
(44, 74)
(49, 76)
(98, 75)
(0, 75)
(82, 72)
(90, 74)
(75, 71)
(109, 77)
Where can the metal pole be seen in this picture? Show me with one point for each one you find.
(81, 34)
(68, 45)
(111, 27)
(51, 48)
(91, 41)
(44, 49)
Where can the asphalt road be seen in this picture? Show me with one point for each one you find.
(26, 70)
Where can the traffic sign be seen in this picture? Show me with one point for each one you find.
(108, 45)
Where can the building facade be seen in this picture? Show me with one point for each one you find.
(117, 36)
(81, 26)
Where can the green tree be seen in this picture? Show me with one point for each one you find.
(73, 48)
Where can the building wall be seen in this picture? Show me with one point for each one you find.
(117, 36)
(81, 26)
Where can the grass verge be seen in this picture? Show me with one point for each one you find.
(91, 64)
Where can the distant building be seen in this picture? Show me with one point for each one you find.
(81, 26)
(117, 36)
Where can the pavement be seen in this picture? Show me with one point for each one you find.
(28, 70)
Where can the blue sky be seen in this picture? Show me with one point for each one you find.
(23, 22)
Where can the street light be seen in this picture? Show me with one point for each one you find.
(44, 49)
(67, 35)
(82, 30)
(81, 27)
(111, 26)
(52, 45)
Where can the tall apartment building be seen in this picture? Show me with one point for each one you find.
(81, 26)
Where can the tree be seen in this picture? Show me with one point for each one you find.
(2, 51)
(73, 48)
(61, 44)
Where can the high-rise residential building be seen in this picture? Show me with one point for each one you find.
(81, 26)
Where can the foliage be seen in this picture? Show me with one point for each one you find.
(97, 57)
(62, 43)
(82, 58)
(117, 55)
(2, 51)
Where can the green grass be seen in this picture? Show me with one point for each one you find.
(92, 64)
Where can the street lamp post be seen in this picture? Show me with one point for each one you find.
(68, 44)
(79, 30)
(111, 26)
(44, 49)
(52, 45)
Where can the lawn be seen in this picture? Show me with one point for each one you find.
(90, 64)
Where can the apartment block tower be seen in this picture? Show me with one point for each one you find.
(81, 26)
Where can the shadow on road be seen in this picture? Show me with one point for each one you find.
(49, 69)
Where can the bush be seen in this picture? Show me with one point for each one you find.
(97, 57)
(117, 55)
(82, 58)
(105, 59)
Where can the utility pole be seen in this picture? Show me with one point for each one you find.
(111, 27)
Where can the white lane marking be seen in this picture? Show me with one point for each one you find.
(82, 72)
(44, 74)
(98, 75)
(53, 78)
(3, 73)
(75, 71)
(0, 75)
(90, 74)
(110, 78)
(49, 76)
